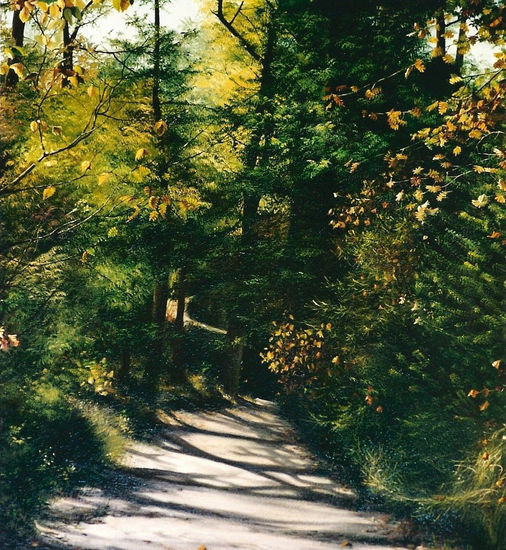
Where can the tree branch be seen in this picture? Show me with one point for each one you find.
(248, 46)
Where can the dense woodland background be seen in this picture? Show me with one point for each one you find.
(325, 181)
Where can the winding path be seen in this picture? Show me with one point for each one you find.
(233, 479)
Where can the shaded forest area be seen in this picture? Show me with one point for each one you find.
(323, 180)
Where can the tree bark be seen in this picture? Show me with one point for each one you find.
(158, 317)
(161, 288)
(233, 359)
(440, 31)
(18, 35)
(459, 57)
(178, 374)
(67, 64)
(255, 156)
(157, 109)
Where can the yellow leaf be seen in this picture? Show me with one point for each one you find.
(104, 177)
(74, 81)
(475, 134)
(437, 52)
(484, 406)
(160, 127)
(24, 14)
(480, 202)
(433, 188)
(18, 69)
(135, 213)
(500, 199)
(48, 192)
(92, 91)
(451, 126)
(121, 5)
(394, 119)
(54, 11)
(496, 364)
(419, 66)
(443, 107)
(34, 125)
(43, 6)
(85, 165)
(457, 150)
(455, 78)
(141, 153)
(4, 69)
(473, 393)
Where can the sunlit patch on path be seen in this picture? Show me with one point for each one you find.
(234, 479)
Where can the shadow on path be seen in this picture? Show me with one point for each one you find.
(233, 479)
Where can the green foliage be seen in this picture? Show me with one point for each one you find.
(48, 444)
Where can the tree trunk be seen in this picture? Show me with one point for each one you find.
(440, 32)
(233, 360)
(459, 57)
(18, 35)
(255, 156)
(157, 110)
(178, 374)
(67, 65)
(161, 288)
(160, 297)
(158, 317)
(124, 369)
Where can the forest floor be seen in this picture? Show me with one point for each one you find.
(230, 479)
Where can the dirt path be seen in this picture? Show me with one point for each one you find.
(234, 479)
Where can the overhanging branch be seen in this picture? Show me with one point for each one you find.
(229, 25)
